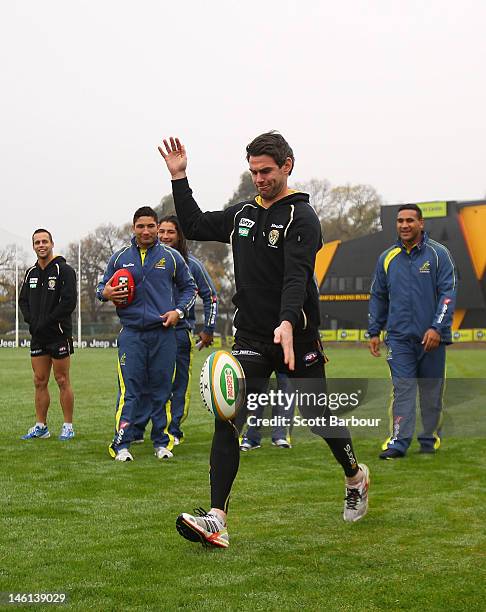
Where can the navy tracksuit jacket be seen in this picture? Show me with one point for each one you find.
(146, 349)
(411, 293)
(181, 392)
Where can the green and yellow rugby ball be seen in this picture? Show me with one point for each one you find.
(222, 385)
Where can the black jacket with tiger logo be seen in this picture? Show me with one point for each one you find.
(274, 251)
(47, 300)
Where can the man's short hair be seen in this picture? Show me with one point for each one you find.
(41, 230)
(145, 211)
(411, 207)
(272, 144)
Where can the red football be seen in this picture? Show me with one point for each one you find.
(124, 277)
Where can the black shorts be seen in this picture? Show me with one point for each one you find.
(60, 349)
(263, 358)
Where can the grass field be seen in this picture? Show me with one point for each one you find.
(76, 522)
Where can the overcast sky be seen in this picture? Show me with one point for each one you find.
(389, 93)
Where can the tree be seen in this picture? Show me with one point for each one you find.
(245, 190)
(96, 250)
(221, 258)
(319, 191)
(216, 256)
(345, 212)
(166, 206)
(7, 283)
(7, 277)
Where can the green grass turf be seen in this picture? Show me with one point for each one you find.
(75, 521)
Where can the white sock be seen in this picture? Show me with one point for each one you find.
(67, 425)
(40, 424)
(219, 514)
(357, 479)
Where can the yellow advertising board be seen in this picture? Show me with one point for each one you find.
(462, 335)
(479, 335)
(230, 340)
(328, 335)
(217, 342)
(344, 297)
(348, 335)
(433, 209)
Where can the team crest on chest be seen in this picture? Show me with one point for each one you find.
(273, 237)
(51, 283)
(160, 264)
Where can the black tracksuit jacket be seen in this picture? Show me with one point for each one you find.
(274, 253)
(47, 300)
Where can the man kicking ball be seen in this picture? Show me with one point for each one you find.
(274, 238)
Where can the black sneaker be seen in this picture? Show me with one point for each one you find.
(391, 453)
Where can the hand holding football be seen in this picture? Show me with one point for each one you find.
(122, 288)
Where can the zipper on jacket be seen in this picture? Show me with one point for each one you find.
(144, 300)
(410, 277)
(305, 318)
(43, 299)
(142, 265)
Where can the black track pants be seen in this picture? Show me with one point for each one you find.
(259, 360)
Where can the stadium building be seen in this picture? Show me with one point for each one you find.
(345, 270)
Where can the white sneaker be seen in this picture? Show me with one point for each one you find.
(247, 445)
(67, 433)
(176, 441)
(163, 453)
(356, 499)
(124, 455)
(281, 443)
(37, 432)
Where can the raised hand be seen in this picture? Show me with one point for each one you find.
(174, 154)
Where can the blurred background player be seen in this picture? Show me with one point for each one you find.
(282, 418)
(147, 343)
(170, 233)
(413, 296)
(47, 299)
